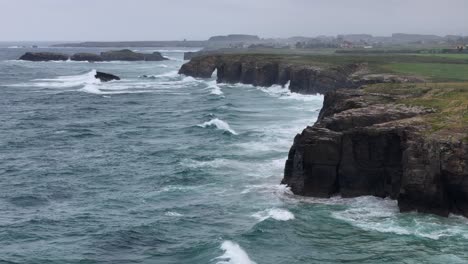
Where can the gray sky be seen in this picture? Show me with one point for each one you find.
(106, 20)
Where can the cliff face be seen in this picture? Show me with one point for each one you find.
(369, 144)
(260, 70)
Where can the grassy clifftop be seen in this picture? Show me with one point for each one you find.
(449, 100)
(433, 68)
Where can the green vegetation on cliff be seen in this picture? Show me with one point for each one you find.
(433, 68)
(449, 100)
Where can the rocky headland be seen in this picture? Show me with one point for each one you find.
(303, 77)
(385, 135)
(114, 55)
(406, 142)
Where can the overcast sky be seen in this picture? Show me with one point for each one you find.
(106, 20)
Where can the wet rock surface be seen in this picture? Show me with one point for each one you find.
(265, 71)
(368, 144)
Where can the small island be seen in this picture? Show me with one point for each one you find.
(114, 55)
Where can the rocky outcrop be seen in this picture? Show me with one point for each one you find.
(262, 70)
(91, 57)
(366, 143)
(128, 55)
(116, 55)
(106, 77)
(43, 56)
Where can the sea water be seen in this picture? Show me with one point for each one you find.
(164, 168)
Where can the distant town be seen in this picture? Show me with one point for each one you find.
(442, 44)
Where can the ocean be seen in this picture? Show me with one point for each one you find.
(163, 168)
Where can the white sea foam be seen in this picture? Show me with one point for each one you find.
(233, 254)
(277, 189)
(274, 213)
(215, 89)
(167, 74)
(173, 214)
(285, 93)
(91, 88)
(219, 124)
(382, 215)
(67, 81)
(173, 58)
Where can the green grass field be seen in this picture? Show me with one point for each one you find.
(432, 67)
(463, 56)
(438, 72)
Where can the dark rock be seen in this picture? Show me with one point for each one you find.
(155, 56)
(106, 77)
(366, 144)
(200, 67)
(86, 57)
(261, 70)
(44, 56)
(128, 55)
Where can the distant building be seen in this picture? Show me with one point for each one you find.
(346, 45)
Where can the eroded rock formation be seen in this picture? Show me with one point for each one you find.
(367, 143)
(261, 70)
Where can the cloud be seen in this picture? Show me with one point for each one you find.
(179, 19)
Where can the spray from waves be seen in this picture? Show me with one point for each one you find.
(382, 215)
(219, 124)
(168, 74)
(274, 213)
(285, 93)
(282, 92)
(233, 254)
(215, 89)
(66, 81)
(173, 58)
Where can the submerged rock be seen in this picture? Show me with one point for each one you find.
(105, 77)
(44, 56)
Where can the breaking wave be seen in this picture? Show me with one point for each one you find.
(285, 93)
(274, 213)
(67, 81)
(219, 124)
(215, 89)
(233, 254)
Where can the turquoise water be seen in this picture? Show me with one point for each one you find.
(172, 169)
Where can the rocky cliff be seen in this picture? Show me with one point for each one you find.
(267, 70)
(399, 142)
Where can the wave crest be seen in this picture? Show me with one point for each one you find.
(233, 254)
(274, 213)
(219, 124)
